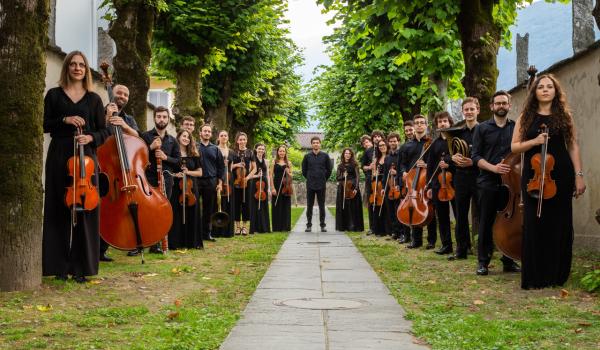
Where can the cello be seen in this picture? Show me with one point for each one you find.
(134, 214)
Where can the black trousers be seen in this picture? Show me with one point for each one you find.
(442, 213)
(416, 233)
(207, 190)
(465, 185)
(310, 201)
(489, 202)
(367, 194)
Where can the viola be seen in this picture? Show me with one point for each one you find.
(508, 227)
(394, 192)
(446, 192)
(186, 197)
(541, 185)
(134, 214)
(240, 174)
(416, 210)
(261, 193)
(81, 194)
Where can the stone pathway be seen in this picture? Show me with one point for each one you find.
(320, 293)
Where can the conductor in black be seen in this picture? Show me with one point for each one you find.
(316, 168)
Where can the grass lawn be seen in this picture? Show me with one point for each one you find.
(452, 308)
(186, 300)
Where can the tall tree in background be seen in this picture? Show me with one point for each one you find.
(23, 40)
(132, 25)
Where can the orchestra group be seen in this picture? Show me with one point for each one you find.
(408, 187)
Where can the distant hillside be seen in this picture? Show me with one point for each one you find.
(550, 28)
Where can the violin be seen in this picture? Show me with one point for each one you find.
(446, 192)
(541, 185)
(187, 197)
(226, 188)
(81, 194)
(261, 193)
(394, 193)
(416, 210)
(240, 174)
(287, 188)
(376, 196)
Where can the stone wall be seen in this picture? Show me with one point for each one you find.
(300, 188)
(579, 78)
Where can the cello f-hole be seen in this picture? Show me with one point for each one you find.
(144, 188)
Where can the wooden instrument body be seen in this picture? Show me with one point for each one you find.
(155, 216)
(394, 192)
(446, 192)
(261, 193)
(415, 209)
(187, 195)
(534, 184)
(376, 196)
(82, 193)
(349, 190)
(508, 227)
(287, 188)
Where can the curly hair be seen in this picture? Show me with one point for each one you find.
(561, 118)
(352, 161)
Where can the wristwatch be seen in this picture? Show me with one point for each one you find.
(579, 173)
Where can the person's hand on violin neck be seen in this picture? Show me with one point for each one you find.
(84, 139)
(540, 139)
(160, 154)
(75, 120)
(421, 163)
(444, 165)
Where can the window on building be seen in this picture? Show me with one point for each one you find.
(159, 98)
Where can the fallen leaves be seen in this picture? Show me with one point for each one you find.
(564, 293)
(234, 271)
(44, 308)
(478, 302)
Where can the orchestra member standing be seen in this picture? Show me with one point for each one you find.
(409, 134)
(491, 144)
(211, 180)
(548, 237)
(67, 249)
(281, 173)
(465, 179)
(392, 162)
(226, 197)
(348, 211)
(242, 164)
(378, 180)
(186, 234)
(316, 169)
(260, 183)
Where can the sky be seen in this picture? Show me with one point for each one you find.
(308, 26)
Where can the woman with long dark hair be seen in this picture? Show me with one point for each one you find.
(379, 178)
(548, 239)
(226, 198)
(69, 249)
(188, 234)
(242, 163)
(348, 211)
(259, 208)
(282, 204)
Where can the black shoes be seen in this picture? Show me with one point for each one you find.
(308, 228)
(511, 267)
(61, 277)
(155, 249)
(413, 245)
(369, 232)
(429, 246)
(457, 256)
(134, 252)
(482, 270)
(210, 238)
(80, 279)
(403, 239)
(445, 249)
(323, 229)
(106, 258)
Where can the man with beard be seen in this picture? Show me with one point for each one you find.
(118, 117)
(165, 147)
(491, 144)
(211, 182)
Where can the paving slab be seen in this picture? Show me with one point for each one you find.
(321, 294)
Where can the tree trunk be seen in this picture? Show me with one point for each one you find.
(480, 39)
(219, 115)
(132, 33)
(188, 93)
(23, 40)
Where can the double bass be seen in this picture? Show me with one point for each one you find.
(134, 214)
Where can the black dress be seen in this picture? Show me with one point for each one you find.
(281, 212)
(379, 212)
(259, 215)
(227, 201)
(548, 240)
(348, 216)
(82, 258)
(188, 235)
(241, 200)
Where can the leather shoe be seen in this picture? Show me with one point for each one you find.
(482, 270)
(429, 246)
(155, 250)
(61, 277)
(457, 257)
(323, 229)
(106, 258)
(369, 232)
(134, 252)
(446, 249)
(308, 229)
(80, 279)
(403, 239)
(413, 245)
(511, 267)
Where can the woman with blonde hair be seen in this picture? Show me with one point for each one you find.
(70, 245)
